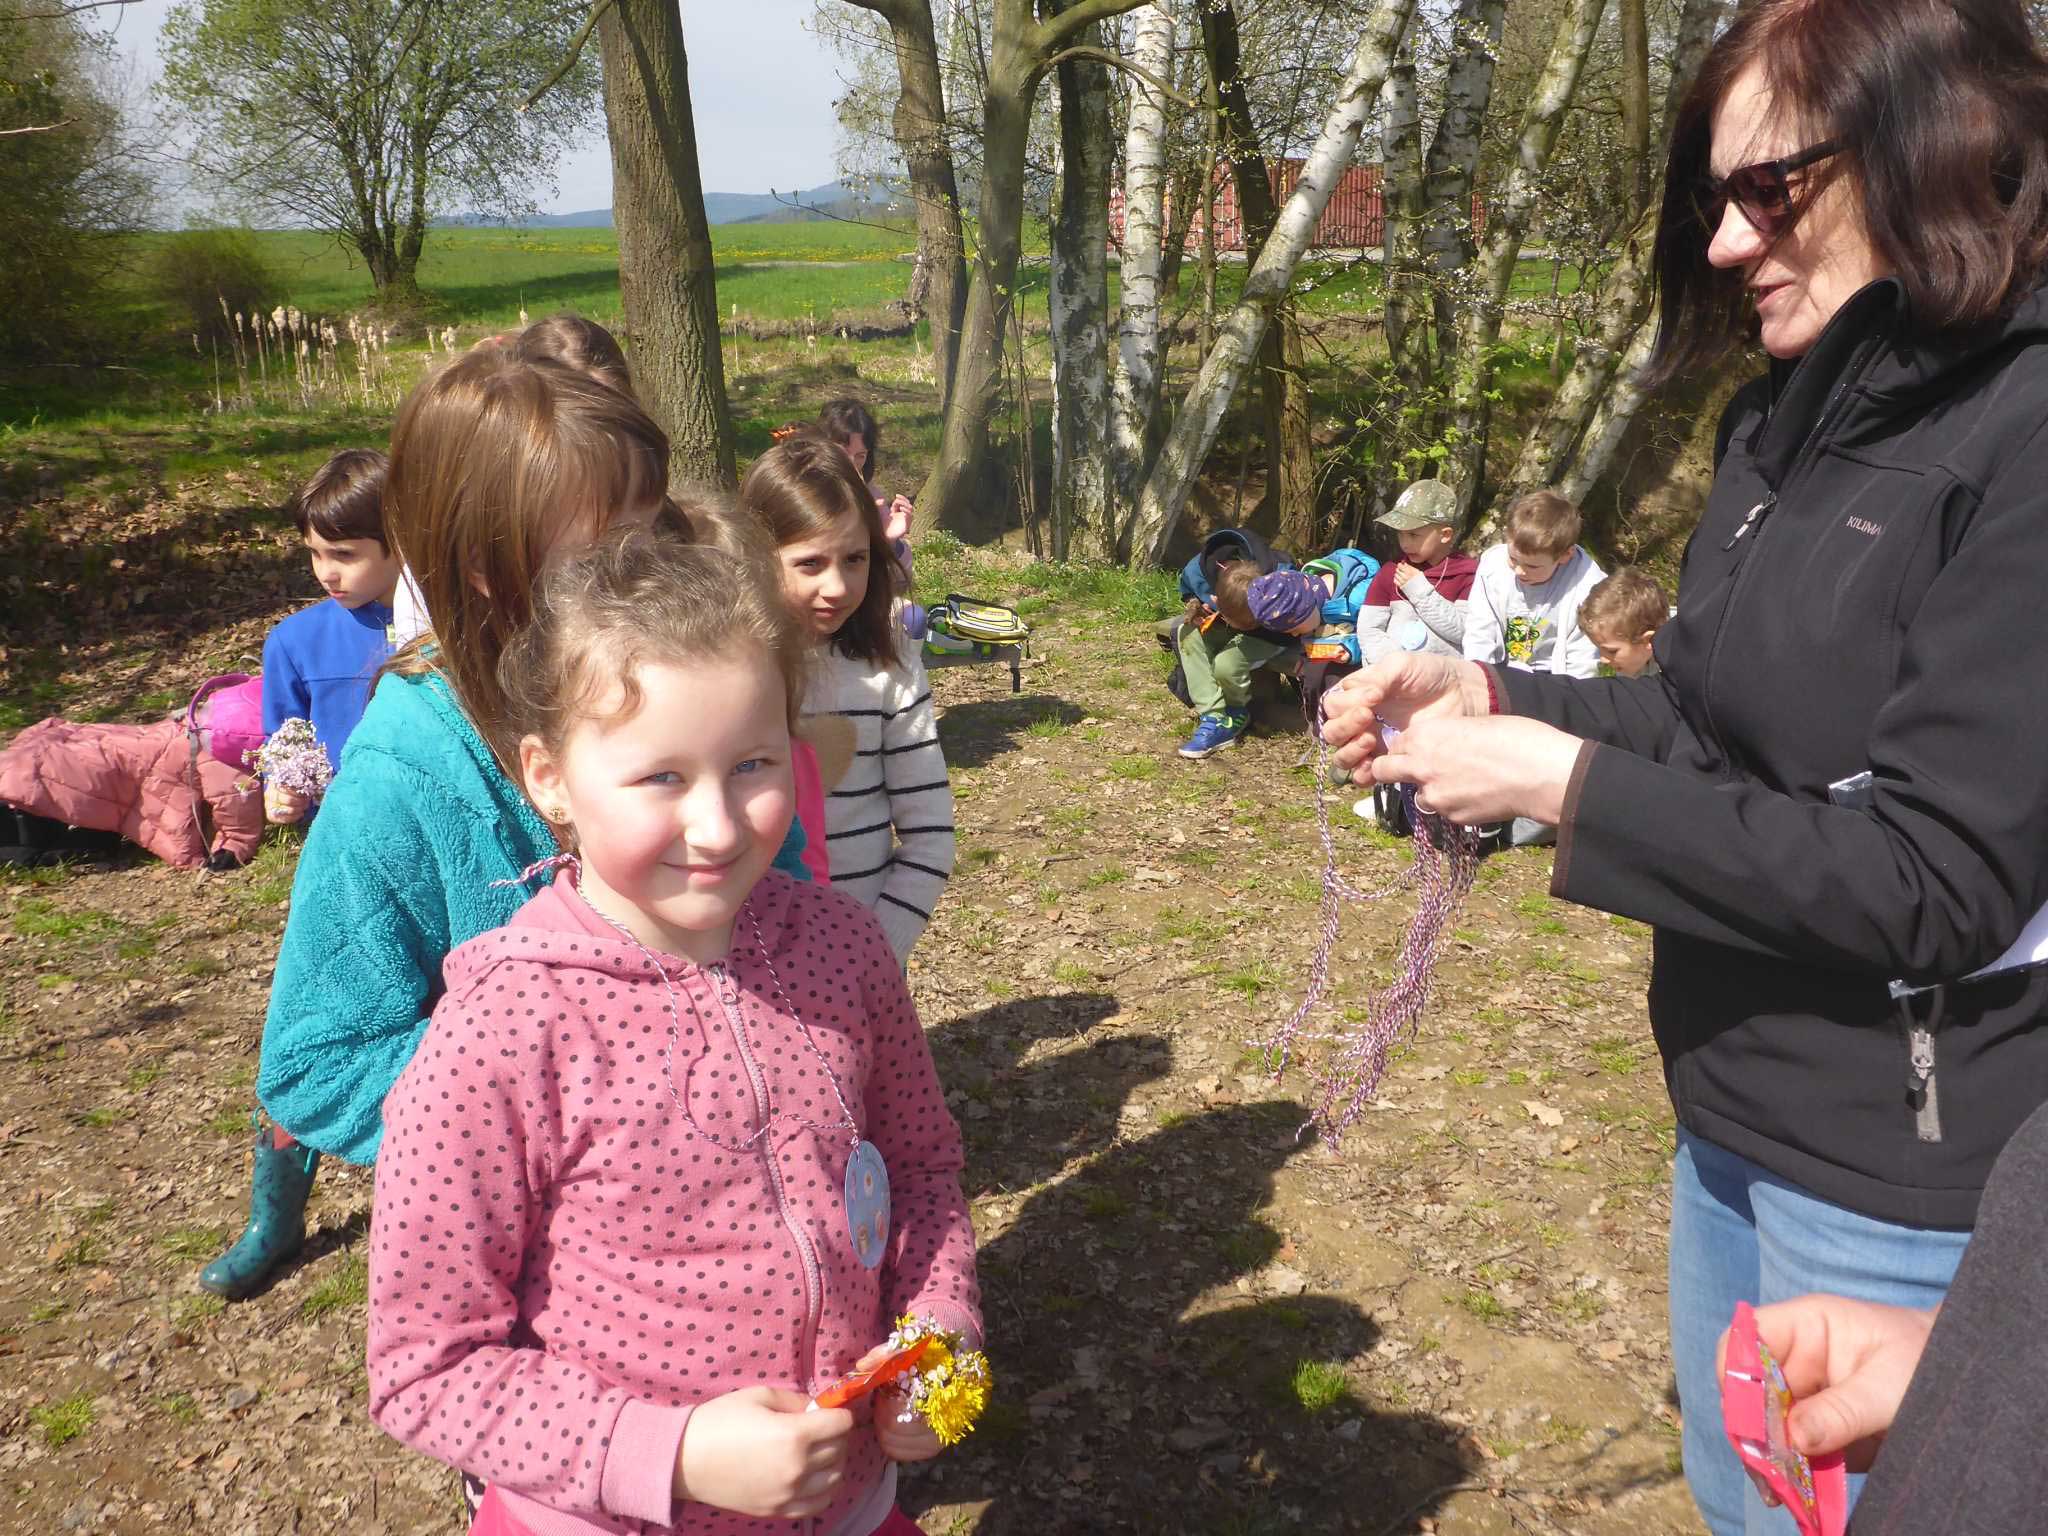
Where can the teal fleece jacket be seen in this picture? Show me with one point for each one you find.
(418, 848)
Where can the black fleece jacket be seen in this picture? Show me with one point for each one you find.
(1865, 591)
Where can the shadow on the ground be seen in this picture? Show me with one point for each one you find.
(1149, 1379)
(978, 731)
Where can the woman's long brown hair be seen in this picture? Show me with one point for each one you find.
(494, 458)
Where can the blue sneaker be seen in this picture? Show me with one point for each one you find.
(1215, 732)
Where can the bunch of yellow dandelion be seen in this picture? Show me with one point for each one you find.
(948, 1387)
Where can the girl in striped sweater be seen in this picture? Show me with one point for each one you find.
(889, 821)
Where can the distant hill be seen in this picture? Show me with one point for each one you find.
(833, 199)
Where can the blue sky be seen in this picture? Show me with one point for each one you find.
(761, 86)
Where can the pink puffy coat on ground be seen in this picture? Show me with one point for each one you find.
(142, 781)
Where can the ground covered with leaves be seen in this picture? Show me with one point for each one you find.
(1200, 1319)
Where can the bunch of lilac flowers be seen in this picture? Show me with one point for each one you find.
(293, 759)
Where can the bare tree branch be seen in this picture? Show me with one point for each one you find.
(37, 128)
(575, 52)
(1117, 61)
(63, 11)
(1077, 18)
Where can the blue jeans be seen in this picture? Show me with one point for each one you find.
(1740, 1233)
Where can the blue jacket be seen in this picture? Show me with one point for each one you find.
(319, 665)
(400, 867)
(1351, 572)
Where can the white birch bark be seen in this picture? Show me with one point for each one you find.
(1453, 158)
(1611, 419)
(1555, 451)
(1507, 224)
(1134, 391)
(1401, 184)
(1237, 342)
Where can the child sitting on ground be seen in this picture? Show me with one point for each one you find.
(1317, 605)
(319, 664)
(615, 1303)
(1524, 610)
(1621, 616)
(1418, 603)
(1219, 642)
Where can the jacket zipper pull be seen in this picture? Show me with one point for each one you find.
(1927, 1107)
(722, 982)
(1770, 500)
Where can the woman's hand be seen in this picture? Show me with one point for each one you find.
(764, 1452)
(1847, 1364)
(1400, 689)
(1477, 772)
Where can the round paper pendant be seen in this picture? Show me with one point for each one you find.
(867, 1203)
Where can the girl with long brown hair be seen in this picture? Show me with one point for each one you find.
(499, 465)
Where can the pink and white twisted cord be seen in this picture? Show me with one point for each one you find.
(1446, 863)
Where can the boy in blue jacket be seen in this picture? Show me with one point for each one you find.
(319, 664)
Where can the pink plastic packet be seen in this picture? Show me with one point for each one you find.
(1756, 1407)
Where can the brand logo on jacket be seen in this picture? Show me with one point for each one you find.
(1865, 525)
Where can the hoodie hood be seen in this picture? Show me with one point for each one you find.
(560, 909)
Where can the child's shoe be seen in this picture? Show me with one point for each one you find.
(1215, 732)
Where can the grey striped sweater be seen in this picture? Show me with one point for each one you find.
(889, 820)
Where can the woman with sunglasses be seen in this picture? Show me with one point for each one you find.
(1840, 779)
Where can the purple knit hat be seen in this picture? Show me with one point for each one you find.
(1285, 599)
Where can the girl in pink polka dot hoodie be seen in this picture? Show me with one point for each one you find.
(612, 1260)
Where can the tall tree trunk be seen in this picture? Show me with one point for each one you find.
(1507, 222)
(1021, 50)
(919, 127)
(666, 275)
(1285, 413)
(1082, 432)
(1611, 418)
(1134, 388)
(1453, 160)
(1557, 449)
(1635, 98)
(1194, 430)
(1402, 211)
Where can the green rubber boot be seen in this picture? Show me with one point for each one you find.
(278, 1187)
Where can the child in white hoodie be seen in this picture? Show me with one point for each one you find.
(1524, 610)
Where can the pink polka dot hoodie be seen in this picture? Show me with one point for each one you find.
(562, 1264)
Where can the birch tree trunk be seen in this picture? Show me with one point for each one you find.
(1507, 222)
(1194, 430)
(1557, 449)
(1021, 49)
(1079, 302)
(1134, 391)
(1454, 160)
(666, 276)
(1284, 394)
(1401, 203)
(1611, 419)
(919, 128)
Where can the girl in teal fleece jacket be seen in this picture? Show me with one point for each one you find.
(499, 463)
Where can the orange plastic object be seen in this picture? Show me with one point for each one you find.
(852, 1388)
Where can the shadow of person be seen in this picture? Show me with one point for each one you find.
(977, 731)
(1023, 1120)
(1151, 1371)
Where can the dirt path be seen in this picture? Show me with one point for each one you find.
(1200, 1322)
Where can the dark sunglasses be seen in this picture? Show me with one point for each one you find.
(1762, 191)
